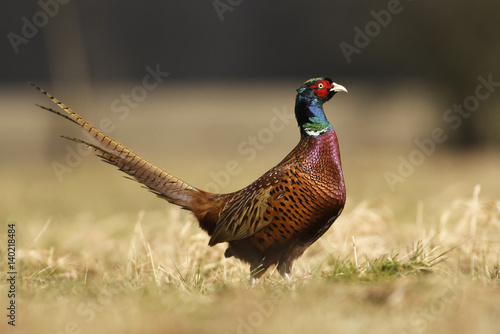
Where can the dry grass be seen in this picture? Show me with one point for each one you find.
(151, 271)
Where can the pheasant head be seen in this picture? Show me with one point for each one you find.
(309, 105)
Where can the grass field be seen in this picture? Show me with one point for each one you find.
(97, 254)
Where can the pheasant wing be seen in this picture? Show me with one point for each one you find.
(248, 211)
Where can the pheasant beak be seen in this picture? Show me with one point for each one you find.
(337, 88)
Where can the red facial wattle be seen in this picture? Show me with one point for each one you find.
(321, 88)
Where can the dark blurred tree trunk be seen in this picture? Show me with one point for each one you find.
(460, 84)
(69, 72)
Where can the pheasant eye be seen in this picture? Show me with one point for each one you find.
(321, 85)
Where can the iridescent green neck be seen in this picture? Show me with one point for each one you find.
(316, 127)
(310, 116)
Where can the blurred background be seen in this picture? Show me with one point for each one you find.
(187, 84)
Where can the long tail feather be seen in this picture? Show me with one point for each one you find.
(157, 180)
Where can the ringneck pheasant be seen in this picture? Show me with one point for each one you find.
(274, 219)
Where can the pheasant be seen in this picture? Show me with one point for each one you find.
(276, 218)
